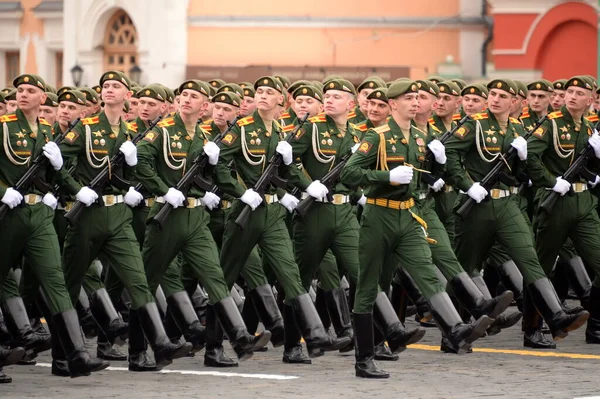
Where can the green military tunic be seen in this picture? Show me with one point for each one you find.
(390, 224)
(551, 150)
(472, 152)
(27, 230)
(356, 115)
(101, 230)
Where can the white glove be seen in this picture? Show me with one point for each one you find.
(355, 147)
(285, 149)
(50, 200)
(437, 185)
(362, 201)
(595, 182)
(594, 141)
(212, 151)
(130, 151)
(174, 197)
(477, 192)
(12, 197)
(317, 190)
(251, 198)
(520, 144)
(401, 175)
(289, 202)
(210, 200)
(133, 197)
(529, 183)
(561, 186)
(52, 152)
(438, 150)
(86, 195)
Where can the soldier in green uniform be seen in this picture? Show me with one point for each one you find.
(249, 145)
(248, 104)
(164, 153)
(522, 93)
(359, 113)
(558, 96)
(92, 102)
(2, 104)
(552, 148)
(49, 108)
(472, 151)
(474, 98)
(11, 101)
(105, 223)
(28, 230)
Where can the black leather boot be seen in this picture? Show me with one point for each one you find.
(4, 334)
(365, 366)
(399, 299)
(501, 321)
(460, 335)
(66, 325)
(397, 336)
(231, 320)
(106, 351)
(592, 332)
(471, 297)
(249, 314)
(268, 312)
(11, 356)
(17, 321)
(200, 302)
(547, 303)
(579, 279)
(491, 277)
(181, 310)
(512, 279)
(424, 314)
(292, 348)
(321, 306)
(4, 379)
(88, 324)
(138, 359)
(339, 313)
(164, 350)
(108, 319)
(310, 326)
(532, 326)
(381, 350)
(215, 356)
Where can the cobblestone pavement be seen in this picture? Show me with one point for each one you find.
(499, 367)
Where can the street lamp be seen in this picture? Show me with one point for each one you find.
(135, 73)
(76, 74)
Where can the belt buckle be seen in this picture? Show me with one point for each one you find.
(337, 199)
(31, 199)
(109, 200)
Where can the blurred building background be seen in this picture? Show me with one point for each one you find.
(170, 40)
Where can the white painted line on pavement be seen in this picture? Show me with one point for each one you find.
(205, 373)
(588, 397)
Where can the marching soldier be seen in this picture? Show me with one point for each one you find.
(359, 113)
(49, 108)
(558, 96)
(248, 104)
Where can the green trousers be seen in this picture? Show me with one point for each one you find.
(326, 227)
(329, 275)
(27, 231)
(575, 217)
(498, 220)
(444, 208)
(107, 231)
(266, 228)
(185, 232)
(386, 233)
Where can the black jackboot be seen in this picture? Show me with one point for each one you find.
(11, 356)
(579, 279)
(382, 351)
(512, 279)
(88, 324)
(386, 319)
(365, 366)
(471, 297)
(66, 326)
(231, 320)
(460, 335)
(501, 321)
(164, 350)
(532, 326)
(139, 360)
(339, 313)
(17, 321)
(321, 306)
(4, 379)
(424, 314)
(214, 355)
(107, 317)
(292, 348)
(268, 312)
(311, 328)
(181, 310)
(592, 333)
(106, 351)
(547, 303)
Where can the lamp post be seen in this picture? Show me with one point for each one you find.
(135, 73)
(76, 74)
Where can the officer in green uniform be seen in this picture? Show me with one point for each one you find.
(105, 223)
(359, 113)
(28, 230)
(552, 148)
(472, 152)
(164, 153)
(250, 145)
(392, 228)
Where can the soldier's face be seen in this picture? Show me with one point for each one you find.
(222, 113)
(446, 105)
(500, 101)
(578, 99)
(405, 106)
(473, 104)
(267, 98)
(48, 113)
(248, 106)
(150, 108)
(30, 97)
(133, 107)
(426, 101)
(192, 102)
(2, 109)
(207, 114)
(307, 104)
(362, 99)
(114, 93)
(337, 102)
(378, 111)
(68, 111)
(11, 106)
(597, 101)
(558, 99)
(518, 106)
(538, 100)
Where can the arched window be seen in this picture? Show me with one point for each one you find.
(120, 43)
